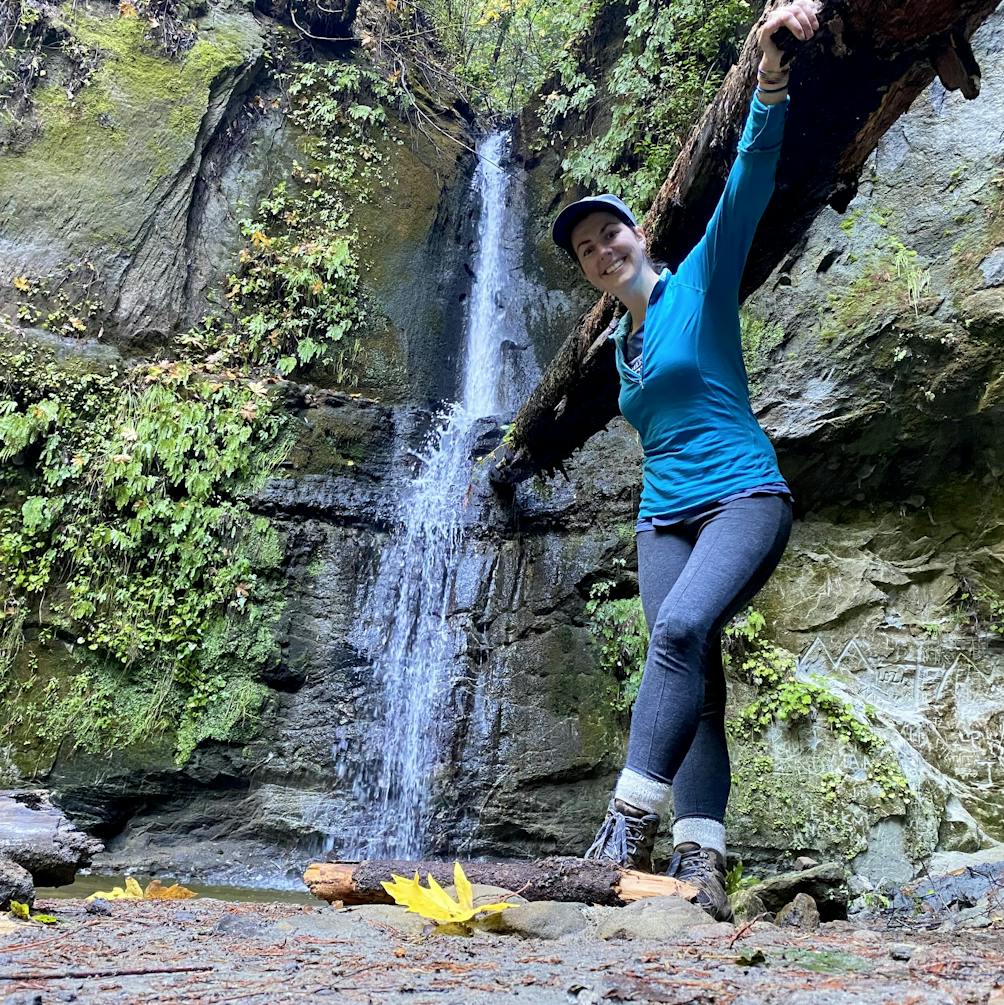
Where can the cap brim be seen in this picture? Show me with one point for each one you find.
(571, 215)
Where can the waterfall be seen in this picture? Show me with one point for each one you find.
(414, 648)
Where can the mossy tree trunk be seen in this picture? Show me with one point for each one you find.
(859, 73)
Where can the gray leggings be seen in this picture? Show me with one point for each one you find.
(694, 576)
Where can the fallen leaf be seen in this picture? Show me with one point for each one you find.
(434, 903)
(22, 283)
(155, 890)
(19, 910)
(131, 891)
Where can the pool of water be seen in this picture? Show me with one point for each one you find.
(84, 886)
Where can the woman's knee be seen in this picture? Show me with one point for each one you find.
(676, 631)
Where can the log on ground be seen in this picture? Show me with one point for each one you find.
(559, 878)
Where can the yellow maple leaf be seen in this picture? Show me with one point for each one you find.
(132, 891)
(21, 283)
(155, 890)
(434, 903)
(127, 9)
(260, 240)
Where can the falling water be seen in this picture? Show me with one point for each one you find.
(415, 649)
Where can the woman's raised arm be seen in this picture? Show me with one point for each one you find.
(718, 259)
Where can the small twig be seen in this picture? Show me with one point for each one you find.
(38, 975)
(744, 929)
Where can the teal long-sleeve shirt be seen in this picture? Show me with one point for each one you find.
(690, 399)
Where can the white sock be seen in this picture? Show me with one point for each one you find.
(704, 831)
(643, 792)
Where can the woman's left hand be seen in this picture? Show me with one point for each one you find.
(799, 17)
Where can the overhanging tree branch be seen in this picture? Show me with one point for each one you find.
(853, 80)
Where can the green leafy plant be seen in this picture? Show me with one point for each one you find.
(781, 696)
(673, 59)
(130, 525)
(618, 625)
(296, 299)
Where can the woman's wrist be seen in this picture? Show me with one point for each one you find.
(772, 64)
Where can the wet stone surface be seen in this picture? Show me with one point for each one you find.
(209, 951)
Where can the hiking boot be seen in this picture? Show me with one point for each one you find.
(705, 869)
(626, 837)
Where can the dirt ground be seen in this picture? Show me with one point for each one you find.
(210, 951)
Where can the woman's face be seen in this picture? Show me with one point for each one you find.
(610, 252)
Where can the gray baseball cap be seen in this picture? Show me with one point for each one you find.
(565, 221)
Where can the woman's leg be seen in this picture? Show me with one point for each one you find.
(628, 832)
(662, 556)
(738, 546)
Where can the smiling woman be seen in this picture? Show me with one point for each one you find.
(715, 512)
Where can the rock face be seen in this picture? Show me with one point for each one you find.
(15, 884)
(38, 837)
(129, 195)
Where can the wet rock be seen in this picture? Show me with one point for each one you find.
(98, 907)
(804, 862)
(651, 918)
(349, 920)
(542, 919)
(15, 884)
(245, 926)
(945, 862)
(800, 913)
(715, 931)
(38, 836)
(964, 888)
(23, 998)
(826, 884)
(746, 904)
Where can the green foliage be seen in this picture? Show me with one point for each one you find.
(296, 298)
(501, 51)
(60, 302)
(128, 520)
(782, 697)
(735, 880)
(673, 60)
(983, 608)
(618, 624)
(892, 281)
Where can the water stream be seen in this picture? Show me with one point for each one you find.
(416, 652)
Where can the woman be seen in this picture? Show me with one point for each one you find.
(715, 512)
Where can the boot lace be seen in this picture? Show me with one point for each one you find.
(698, 866)
(619, 837)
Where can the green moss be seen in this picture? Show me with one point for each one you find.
(968, 253)
(892, 283)
(133, 123)
(127, 525)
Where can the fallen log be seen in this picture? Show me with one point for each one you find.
(40, 838)
(853, 80)
(559, 878)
